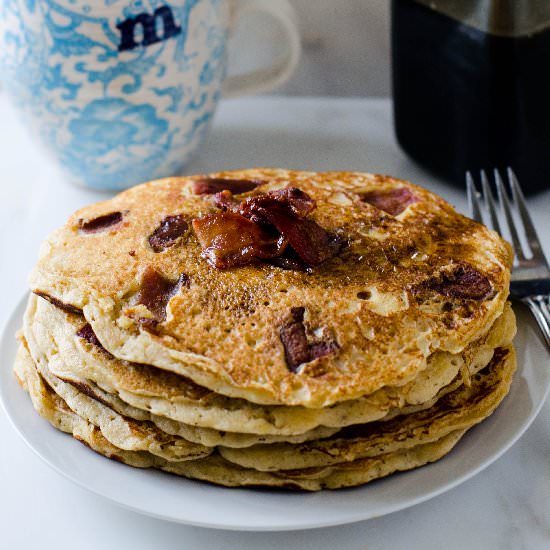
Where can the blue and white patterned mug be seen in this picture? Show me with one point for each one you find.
(123, 91)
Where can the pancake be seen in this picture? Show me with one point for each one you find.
(412, 278)
(201, 436)
(138, 426)
(122, 431)
(52, 407)
(215, 469)
(175, 404)
(459, 410)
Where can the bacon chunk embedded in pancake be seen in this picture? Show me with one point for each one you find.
(101, 223)
(171, 229)
(155, 292)
(393, 201)
(298, 350)
(460, 280)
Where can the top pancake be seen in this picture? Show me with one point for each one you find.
(403, 287)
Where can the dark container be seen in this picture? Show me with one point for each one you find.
(471, 86)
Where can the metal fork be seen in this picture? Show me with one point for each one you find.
(531, 273)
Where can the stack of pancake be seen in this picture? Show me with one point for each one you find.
(270, 328)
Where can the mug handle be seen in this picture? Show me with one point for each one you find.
(265, 78)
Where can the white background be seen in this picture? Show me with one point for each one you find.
(505, 507)
(346, 48)
(346, 53)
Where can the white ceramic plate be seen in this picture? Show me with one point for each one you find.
(180, 500)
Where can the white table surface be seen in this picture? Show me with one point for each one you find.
(507, 506)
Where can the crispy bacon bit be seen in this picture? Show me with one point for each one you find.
(295, 342)
(225, 201)
(309, 240)
(155, 293)
(392, 201)
(87, 333)
(299, 204)
(58, 303)
(101, 223)
(168, 232)
(209, 186)
(261, 227)
(462, 281)
(230, 240)
(286, 209)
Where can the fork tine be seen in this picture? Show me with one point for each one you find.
(490, 202)
(530, 232)
(507, 208)
(539, 309)
(473, 200)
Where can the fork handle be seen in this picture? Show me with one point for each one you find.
(540, 308)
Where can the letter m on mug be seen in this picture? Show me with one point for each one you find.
(149, 26)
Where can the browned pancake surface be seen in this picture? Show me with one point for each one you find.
(405, 284)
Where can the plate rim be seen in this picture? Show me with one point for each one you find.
(361, 515)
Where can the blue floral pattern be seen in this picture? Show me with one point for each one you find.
(113, 118)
